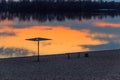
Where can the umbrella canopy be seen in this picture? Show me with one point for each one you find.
(38, 39)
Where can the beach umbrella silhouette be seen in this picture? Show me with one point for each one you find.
(38, 39)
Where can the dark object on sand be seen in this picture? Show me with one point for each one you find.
(68, 55)
(38, 39)
(86, 55)
(78, 55)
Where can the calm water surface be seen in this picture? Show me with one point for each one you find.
(69, 33)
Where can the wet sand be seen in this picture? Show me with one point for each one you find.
(100, 65)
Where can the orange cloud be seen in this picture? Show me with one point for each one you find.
(107, 24)
(63, 40)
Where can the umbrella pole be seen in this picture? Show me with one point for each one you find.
(38, 52)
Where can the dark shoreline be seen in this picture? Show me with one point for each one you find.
(75, 54)
(100, 65)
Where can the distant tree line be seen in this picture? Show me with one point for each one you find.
(57, 5)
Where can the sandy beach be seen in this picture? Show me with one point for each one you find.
(100, 65)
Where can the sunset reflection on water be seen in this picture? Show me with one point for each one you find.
(63, 38)
(67, 36)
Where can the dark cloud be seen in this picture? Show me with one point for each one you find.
(16, 52)
(95, 29)
(108, 46)
(105, 37)
(7, 34)
(21, 26)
